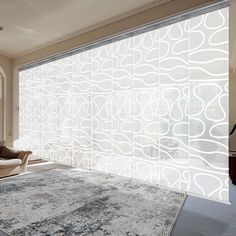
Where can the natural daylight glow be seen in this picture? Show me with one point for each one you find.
(152, 107)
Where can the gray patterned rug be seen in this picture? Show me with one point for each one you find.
(72, 202)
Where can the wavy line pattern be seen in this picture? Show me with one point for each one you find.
(152, 107)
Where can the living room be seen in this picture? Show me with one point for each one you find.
(117, 117)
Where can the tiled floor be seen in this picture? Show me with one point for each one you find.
(199, 217)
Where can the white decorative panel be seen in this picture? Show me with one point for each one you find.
(146, 107)
(152, 107)
(81, 109)
(174, 105)
(101, 124)
(49, 114)
(208, 70)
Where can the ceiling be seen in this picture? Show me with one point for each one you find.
(33, 24)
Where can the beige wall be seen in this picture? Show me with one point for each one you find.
(6, 70)
(232, 71)
(142, 18)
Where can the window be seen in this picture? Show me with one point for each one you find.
(2, 126)
(152, 107)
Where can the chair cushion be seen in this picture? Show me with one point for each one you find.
(8, 152)
(5, 163)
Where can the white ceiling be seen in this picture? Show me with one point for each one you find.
(32, 24)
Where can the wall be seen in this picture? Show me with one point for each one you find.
(232, 72)
(6, 70)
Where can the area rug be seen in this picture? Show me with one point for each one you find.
(72, 202)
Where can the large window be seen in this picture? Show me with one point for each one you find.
(152, 107)
(2, 110)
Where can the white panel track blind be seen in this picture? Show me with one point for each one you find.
(152, 107)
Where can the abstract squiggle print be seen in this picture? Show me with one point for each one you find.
(151, 107)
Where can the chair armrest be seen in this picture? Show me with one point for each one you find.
(24, 156)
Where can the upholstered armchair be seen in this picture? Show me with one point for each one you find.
(13, 162)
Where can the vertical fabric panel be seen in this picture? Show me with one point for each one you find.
(122, 107)
(208, 65)
(49, 113)
(174, 97)
(146, 104)
(152, 107)
(81, 110)
(101, 109)
(63, 107)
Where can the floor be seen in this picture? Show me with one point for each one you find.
(199, 217)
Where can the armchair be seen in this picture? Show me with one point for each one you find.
(13, 162)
